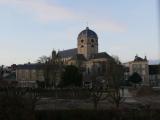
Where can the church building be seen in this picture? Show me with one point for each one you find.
(87, 57)
(94, 65)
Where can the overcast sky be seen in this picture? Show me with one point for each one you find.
(32, 28)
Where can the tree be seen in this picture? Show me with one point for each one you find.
(1, 72)
(33, 97)
(135, 78)
(97, 92)
(52, 68)
(71, 77)
(15, 105)
(116, 59)
(114, 76)
(42, 59)
(58, 67)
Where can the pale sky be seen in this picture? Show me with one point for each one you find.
(32, 28)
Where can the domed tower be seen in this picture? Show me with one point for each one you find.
(87, 43)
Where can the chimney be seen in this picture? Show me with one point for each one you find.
(145, 58)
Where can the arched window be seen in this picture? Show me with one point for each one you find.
(82, 41)
(82, 46)
(92, 40)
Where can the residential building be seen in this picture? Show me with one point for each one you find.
(28, 74)
(154, 75)
(140, 66)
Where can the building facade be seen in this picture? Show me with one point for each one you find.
(87, 57)
(93, 64)
(28, 74)
(87, 43)
(150, 74)
(140, 66)
(154, 75)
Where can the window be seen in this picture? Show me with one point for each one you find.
(82, 46)
(92, 45)
(92, 40)
(82, 41)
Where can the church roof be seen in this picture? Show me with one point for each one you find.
(87, 33)
(79, 57)
(101, 55)
(68, 53)
(139, 59)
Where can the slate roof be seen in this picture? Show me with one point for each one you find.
(30, 66)
(88, 33)
(138, 59)
(154, 69)
(68, 53)
(100, 55)
(79, 57)
(35, 66)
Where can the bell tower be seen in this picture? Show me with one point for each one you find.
(87, 43)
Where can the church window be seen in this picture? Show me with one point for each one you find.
(92, 45)
(82, 46)
(82, 41)
(92, 40)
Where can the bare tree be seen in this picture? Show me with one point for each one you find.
(33, 97)
(114, 75)
(52, 69)
(97, 91)
(97, 95)
(1, 72)
(14, 105)
(42, 59)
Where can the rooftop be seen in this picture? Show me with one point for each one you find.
(87, 33)
(68, 53)
(79, 57)
(101, 55)
(139, 59)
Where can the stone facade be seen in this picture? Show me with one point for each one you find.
(154, 75)
(90, 61)
(86, 56)
(28, 74)
(87, 43)
(140, 66)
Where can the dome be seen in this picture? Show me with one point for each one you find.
(88, 33)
